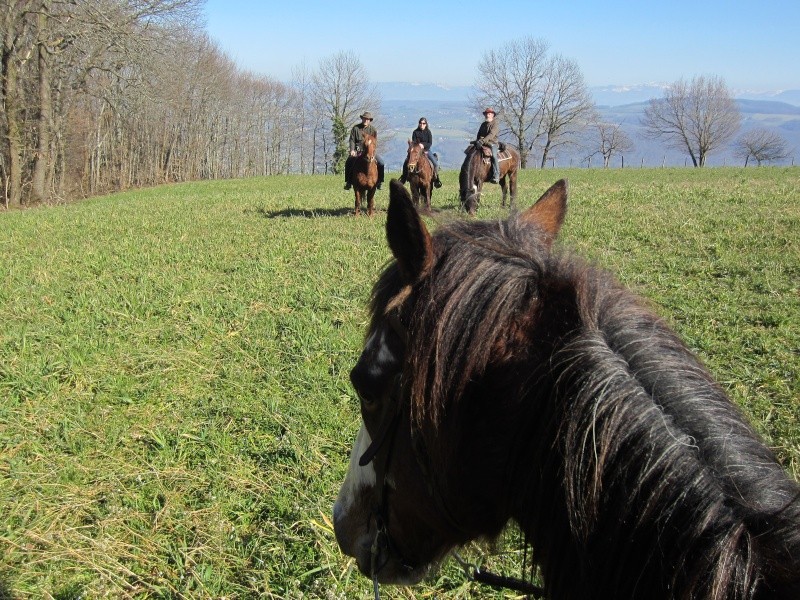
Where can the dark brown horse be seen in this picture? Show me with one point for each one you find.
(420, 175)
(477, 169)
(502, 380)
(365, 175)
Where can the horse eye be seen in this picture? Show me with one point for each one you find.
(365, 399)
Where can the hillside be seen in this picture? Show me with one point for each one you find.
(454, 120)
(177, 415)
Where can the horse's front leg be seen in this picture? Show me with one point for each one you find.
(428, 194)
(371, 201)
(357, 194)
(504, 188)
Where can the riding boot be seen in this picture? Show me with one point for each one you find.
(436, 182)
(380, 175)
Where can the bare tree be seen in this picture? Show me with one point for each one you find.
(16, 24)
(698, 116)
(343, 90)
(567, 106)
(542, 101)
(51, 51)
(762, 146)
(609, 139)
(512, 81)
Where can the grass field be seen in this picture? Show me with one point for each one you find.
(175, 411)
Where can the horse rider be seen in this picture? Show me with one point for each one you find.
(357, 147)
(423, 137)
(488, 135)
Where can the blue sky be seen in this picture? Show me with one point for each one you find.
(753, 45)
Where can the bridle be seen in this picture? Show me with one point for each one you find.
(412, 166)
(382, 543)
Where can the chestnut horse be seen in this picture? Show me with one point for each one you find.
(420, 175)
(477, 169)
(364, 176)
(503, 380)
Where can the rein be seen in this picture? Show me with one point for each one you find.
(382, 540)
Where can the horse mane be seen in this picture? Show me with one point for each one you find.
(640, 456)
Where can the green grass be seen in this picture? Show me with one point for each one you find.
(175, 412)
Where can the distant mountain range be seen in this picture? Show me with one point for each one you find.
(607, 95)
(454, 119)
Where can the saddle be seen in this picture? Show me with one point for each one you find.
(486, 151)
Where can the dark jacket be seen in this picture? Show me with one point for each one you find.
(422, 136)
(357, 135)
(489, 132)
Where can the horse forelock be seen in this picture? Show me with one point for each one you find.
(469, 310)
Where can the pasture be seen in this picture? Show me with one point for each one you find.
(175, 410)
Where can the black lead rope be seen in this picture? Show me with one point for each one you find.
(475, 573)
(509, 583)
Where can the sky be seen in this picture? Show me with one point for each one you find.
(753, 46)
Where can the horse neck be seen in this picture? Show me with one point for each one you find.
(370, 147)
(621, 407)
(476, 168)
(468, 175)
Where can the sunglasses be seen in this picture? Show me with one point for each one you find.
(423, 122)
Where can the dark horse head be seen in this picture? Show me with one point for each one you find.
(477, 169)
(503, 380)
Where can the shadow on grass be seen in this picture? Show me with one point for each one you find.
(5, 591)
(313, 213)
(304, 213)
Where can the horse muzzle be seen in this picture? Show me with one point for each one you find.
(371, 546)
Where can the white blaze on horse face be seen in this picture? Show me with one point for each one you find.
(358, 478)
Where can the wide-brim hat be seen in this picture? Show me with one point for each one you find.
(367, 115)
(489, 110)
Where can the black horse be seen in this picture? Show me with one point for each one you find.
(502, 380)
(477, 168)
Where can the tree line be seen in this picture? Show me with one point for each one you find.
(103, 95)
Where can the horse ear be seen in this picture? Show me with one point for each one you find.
(407, 235)
(549, 211)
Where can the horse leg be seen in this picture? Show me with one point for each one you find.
(371, 201)
(428, 194)
(513, 185)
(357, 193)
(472, 200)
(503, 187)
